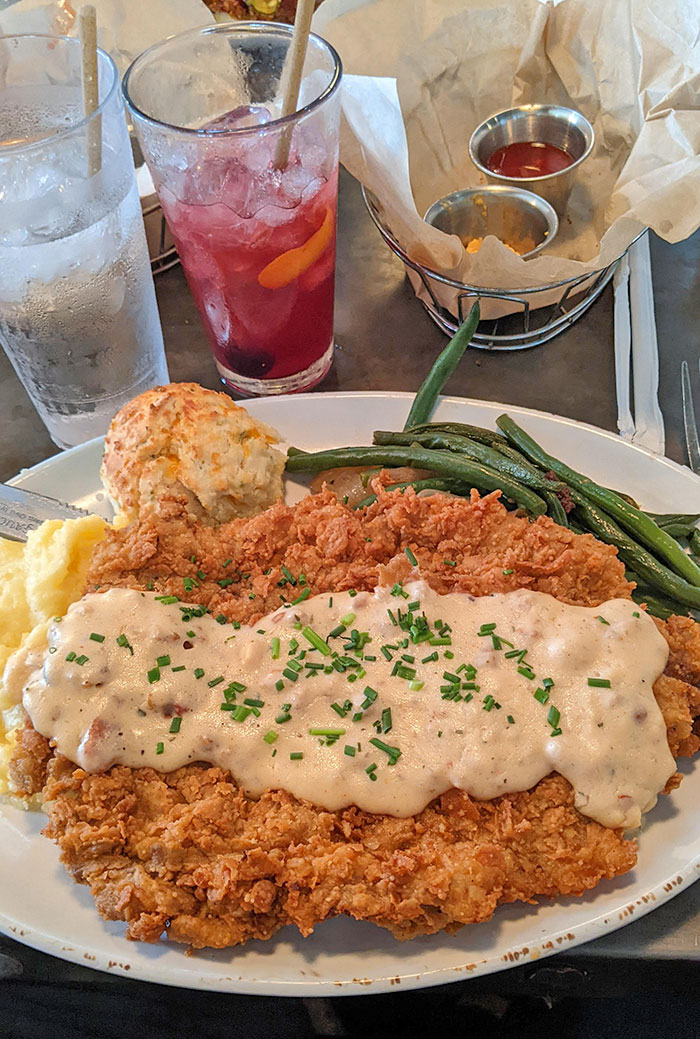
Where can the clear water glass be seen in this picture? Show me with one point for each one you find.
(78, 313)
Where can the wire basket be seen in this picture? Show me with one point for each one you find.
(531, 325)
(161, 248)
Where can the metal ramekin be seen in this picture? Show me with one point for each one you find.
(564, 128)
(511, 214)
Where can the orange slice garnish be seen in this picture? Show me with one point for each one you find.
(288, 266)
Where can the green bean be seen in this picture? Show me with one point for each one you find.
(625, 497)
(634, 556)
(555, 508)
(442, 369)
(662, 518)
(659, 607)
(445, 463)
(521, 471)
(694, 540)
(644, 594)
(463, 429)
(434, 483)
(677, 530)
(633, 520)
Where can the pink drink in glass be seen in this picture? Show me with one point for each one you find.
(260, 260)
(250, 195)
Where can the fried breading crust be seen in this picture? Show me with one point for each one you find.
(189, 855)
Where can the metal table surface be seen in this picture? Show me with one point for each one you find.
(386, 341)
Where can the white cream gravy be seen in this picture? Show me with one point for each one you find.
(512, 720)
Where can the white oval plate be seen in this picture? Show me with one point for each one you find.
(41, 907)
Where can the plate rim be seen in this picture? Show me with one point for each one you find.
(225, 981)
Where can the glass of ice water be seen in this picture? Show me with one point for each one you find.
(78, 313)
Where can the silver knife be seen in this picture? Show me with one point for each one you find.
(24, 511)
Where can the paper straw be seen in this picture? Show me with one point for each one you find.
(294, 66)
(91, 88)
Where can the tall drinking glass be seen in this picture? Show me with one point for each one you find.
(254, 226)
(78, 313)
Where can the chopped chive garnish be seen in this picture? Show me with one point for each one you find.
(282, 718)
(302, 595)
(175, 724)
(541, 695)
(398, 590)
(511, 719)
(227, 562)
(153, 675)
(599, 683)
(251, 701)
(220, 619)
(189, 584)
(548, 683)
(163, 661)
(224, 582)
(198, 672)
(275, 648)
(215, 681)
(291, 675)
(160, 748)
(386, 719)
(526, 671)
(96, 638)
(180, 667)
(442, 641)
(326, 732)
(350, 751)
(296, 755)
(316, 641)
(371, 768)
(553, 717)
(270, 736)
(240, 713)
(190, 634)
(352, 593)
(123, 641)
(279, 685)
(431, 656)
(506, 572)
(70, 657)
(82, 659)
(393, 753)
(167, 600)
(201, 575)
(602, 620)
(486, 629)
(636, 613)
(410, 556)
(415, 687)
(449, 562)
(347, 619)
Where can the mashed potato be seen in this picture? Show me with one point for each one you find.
(38, 581)
(182, 439)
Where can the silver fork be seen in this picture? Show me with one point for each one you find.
(691, 429)
(23, 511)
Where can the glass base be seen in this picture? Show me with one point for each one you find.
(305, 380)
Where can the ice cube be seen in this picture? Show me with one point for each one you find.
(239, 118)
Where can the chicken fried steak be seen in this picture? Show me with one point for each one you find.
(189, 855)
